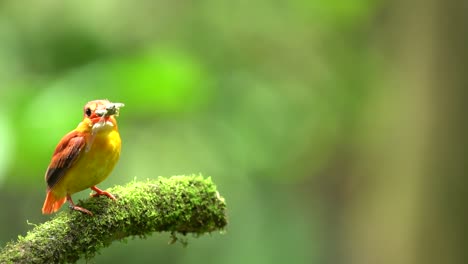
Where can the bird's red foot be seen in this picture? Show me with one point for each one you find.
(100, 192)
(77, 208)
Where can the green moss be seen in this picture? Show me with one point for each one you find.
(180, 204)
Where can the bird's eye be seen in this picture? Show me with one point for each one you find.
(88, 111)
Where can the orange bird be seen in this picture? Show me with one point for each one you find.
(84, 157)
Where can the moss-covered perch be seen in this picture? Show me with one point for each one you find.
(180, 204)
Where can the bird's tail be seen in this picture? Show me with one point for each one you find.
(52, 203)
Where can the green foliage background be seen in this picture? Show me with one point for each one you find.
(260, 95)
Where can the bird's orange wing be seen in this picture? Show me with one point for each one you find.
(66, 153)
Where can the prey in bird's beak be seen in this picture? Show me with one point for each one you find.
(110, 109)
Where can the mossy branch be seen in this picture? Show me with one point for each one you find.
(180, 204)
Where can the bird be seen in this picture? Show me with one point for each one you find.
(84, 157)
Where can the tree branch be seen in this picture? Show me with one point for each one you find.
(180, 204)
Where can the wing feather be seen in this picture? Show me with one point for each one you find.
(65, 155)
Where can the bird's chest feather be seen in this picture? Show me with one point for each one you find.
(102, 153)
(99, 157)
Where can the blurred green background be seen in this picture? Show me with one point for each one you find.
(334, 129)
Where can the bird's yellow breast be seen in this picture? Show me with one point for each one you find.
(95, 163)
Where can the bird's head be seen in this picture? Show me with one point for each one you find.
(100, 113)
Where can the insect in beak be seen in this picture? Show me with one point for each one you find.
(110, 109)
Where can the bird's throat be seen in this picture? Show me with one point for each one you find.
(102, 125)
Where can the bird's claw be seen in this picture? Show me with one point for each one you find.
(99, 192)
(81, 209)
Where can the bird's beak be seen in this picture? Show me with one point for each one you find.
(110, 109)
